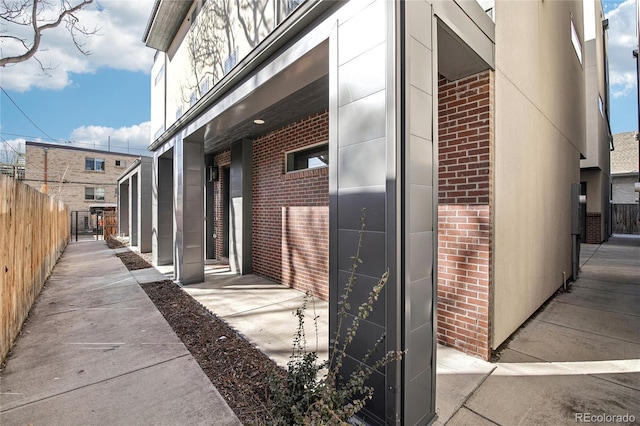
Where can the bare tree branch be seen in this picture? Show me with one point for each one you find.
(17, 13)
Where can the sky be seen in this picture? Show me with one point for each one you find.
(103, 100)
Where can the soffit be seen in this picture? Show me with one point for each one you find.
(309, 100)
(164, 22)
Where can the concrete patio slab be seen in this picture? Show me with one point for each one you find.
(557, 342)
(622, 288)
(547, 398)
(466, 417)
(263, 312)
(458, 376)
(596, 321)
(604, 299)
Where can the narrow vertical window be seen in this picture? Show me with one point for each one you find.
(575, 41)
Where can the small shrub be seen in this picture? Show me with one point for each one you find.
(314, 393)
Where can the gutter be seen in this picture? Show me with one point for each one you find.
(295, 23)
(152, 17)
(129, 169)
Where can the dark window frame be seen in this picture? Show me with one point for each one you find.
(307, 158)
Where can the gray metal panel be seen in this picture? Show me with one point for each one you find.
(241, 194)
(163, 206)
(145, 177)
(419, 211)
(359, 178)
(189, 211)
(123, 208)
(133, 211)
(470, 23)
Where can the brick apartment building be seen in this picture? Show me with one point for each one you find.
(79, 177)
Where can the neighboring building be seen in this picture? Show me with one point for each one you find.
(595, 176)
(454, 124)
(624, 175)
(79, 177)
(134, 204)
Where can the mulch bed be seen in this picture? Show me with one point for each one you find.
(132, 261)
(238, 370)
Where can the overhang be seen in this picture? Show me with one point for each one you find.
(164, 22)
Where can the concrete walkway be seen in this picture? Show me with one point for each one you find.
(96, 351)
(578, 357)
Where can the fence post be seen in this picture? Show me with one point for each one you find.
(76, 226)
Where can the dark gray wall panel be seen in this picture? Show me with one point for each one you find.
(123, 208)
(133, 210)
(163, 252)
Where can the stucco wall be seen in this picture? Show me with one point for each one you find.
(199, 51)
(597, 200)
(539, 134)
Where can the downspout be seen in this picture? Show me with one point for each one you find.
(46, 162)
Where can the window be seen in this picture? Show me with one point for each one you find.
(601, 106)
(121, 163)
(308, 158)
(159, 75)
(179, 112)
(291, 5)
(94, 164)
(193, 99)
(93, 194)
(194, 14)
(204, 86)
(575, 40)
(231, 61)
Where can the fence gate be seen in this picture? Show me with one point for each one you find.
(110, 223)
(84, 223)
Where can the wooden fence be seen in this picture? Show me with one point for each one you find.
(34, 231)
(626, 219)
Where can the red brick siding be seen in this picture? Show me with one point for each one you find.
(464, 226)
(291, 210)
(221, 160)
(594, 235)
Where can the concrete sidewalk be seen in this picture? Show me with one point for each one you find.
(578, 357)
(96, 351)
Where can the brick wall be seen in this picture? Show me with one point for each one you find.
(593, 234)
(291, 210)
(66, 174)
(464, 226)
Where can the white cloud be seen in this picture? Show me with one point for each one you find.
(118, 44)
(131, 139)
(622, 41)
